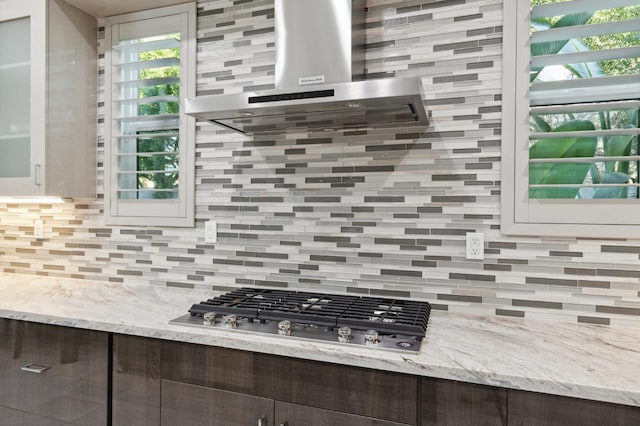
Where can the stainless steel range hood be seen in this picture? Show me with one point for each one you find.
(320, 81)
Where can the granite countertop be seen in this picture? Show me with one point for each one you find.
(578, 360)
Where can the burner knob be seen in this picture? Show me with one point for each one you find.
(284, 328)
(231, 321)
(344, 334)
(209, 318)
(371, 337)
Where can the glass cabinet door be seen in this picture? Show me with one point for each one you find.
(23, 65)
(48, 51)
(15, 105)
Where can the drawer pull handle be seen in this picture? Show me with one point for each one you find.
(262, 421)
(35, 368)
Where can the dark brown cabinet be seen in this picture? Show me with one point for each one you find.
(52, 375)
(184, 404)
(364, 392)
(200, 405)
(536, 409)
(161, 382)
(136, 381)
(445, 402)
(209, 385)
(287, 414)
(352, 390)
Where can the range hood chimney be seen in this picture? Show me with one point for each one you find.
(320, 79)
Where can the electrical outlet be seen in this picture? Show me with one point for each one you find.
(211, 231)
(475, 245)
(38, 228)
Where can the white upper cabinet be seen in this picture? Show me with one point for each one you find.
(48, 54)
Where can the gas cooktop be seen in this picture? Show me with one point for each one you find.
(374, 322)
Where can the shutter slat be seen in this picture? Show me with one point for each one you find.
(584, 185)
(145, 191)
(146, 118)
(577, 6)
(147, 82)
(584, 107)
(148, 190)
(150, 136)
(145, 172)
(133, 128)
(149, 100)
(146, 46)
(585, 56)
(588, 83)
(585, 159)
(585, 134)
(146, 65)
(613, 88)
(149, 154)
(567, 33)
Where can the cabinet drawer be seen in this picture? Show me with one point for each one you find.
(536, 409)
(192, 405)
(300, 415)
(74, 387)
(11, 417)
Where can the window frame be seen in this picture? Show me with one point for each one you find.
(178, 212)
(520, 215)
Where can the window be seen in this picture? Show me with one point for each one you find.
(149, 143)
(571, 93)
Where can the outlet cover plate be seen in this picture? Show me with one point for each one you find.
(211, 232)
(38, 229)
(475, 246)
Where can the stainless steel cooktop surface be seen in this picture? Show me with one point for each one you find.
(351, 320)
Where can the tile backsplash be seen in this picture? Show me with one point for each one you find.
(381, 212)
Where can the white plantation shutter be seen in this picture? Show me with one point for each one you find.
(149, 146)
(571, 132)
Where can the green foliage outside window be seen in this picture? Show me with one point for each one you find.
(162, 168)
(605, 171)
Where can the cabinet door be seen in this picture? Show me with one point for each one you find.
(74, 389)
(48, 54)
(136, 381)
(354, 390)
(11, 417)
(22, 84)
(450, 403)
(536, 409)
(301, 415)
(193, 405)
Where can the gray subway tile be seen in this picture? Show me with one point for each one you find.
(537, 304)
(593, 320)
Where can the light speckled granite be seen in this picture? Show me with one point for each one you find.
(579, 360)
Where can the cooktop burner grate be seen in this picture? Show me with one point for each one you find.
(328, 310)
